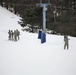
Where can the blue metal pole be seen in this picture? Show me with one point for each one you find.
(42, 35)
(44, 18)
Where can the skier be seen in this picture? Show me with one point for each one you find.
(12, 34)
(9, 32)
(66, 42)
(18, 33)
(15, 35)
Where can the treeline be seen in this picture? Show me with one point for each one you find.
(61, 14)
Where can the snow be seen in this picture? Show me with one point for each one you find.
(28, 56)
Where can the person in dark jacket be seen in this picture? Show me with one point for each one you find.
(66, 42)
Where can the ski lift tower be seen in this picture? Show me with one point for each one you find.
(42, 34)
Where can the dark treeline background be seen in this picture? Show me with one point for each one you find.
(61, 14)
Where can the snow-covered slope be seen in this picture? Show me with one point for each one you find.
(8, 19)
(28, 56)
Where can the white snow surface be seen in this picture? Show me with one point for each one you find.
(28, 56)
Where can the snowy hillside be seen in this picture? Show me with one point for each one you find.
(28, 56)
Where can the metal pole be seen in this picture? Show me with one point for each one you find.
(43, 35)
(44, 18)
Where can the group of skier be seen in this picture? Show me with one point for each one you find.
(14, 35)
